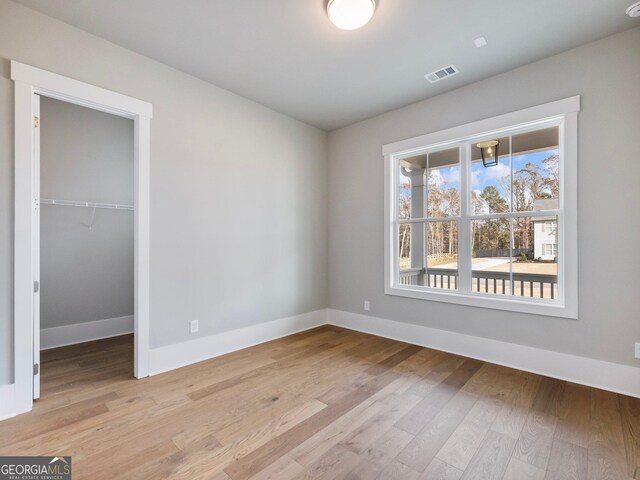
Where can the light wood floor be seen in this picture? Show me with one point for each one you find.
(328, 403)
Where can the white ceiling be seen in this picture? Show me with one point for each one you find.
(286, 54)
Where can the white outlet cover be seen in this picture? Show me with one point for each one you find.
(193, 326)
(367, 305)
(637, 349)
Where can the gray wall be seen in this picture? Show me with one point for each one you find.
(607, 74)
(85, 274)
(238, 191)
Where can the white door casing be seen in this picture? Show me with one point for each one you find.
(30, 83)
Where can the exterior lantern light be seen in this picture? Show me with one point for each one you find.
(489, 151)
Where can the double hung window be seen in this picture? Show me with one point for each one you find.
(500, 236)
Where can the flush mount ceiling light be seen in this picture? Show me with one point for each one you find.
(634, 10)
(350, 14)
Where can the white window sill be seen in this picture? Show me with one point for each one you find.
(552, 308)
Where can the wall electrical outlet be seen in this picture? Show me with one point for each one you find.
(367, 305)
(637, 349)
(193, 326)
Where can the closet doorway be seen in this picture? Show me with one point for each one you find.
(86, 244)
(33, 86)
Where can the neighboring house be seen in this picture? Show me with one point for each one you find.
(545, 231)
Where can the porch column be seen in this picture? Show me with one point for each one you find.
(418, 203)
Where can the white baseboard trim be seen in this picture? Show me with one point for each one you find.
(163, 359)
(7, 401)
(85, 332)
(610, 376)
(624, 379)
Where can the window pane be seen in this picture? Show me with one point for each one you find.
(535, 265)
(444, 183)
(411, 187)
(490, 186)
(439, 240)
(404, 246)
(491, 256)
(536, 181)
(442, 258)
(411, 253)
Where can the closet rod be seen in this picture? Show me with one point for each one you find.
(74, 203)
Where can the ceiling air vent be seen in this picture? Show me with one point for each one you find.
(441, 74)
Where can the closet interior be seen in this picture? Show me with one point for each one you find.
(86, 245)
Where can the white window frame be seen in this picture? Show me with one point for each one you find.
(561, 113)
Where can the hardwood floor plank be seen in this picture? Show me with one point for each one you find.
(398, 471)
(519, 470)
(493, 380)
(573, 415)
(217, 476)
(371, 463)
(393, 408)
(429, 407)
(267, 454)
(309, 450)
(104, 468)
(630, 416)
(463, 373)
(567, 461)
(547, 399)
(421, 363)
(439, 470)
(276, 425)
(392, 442)
(534, 444)
(491, 460)
(315, 446)
(515, 411)
(209, 390)
(380, 454)
(334, 464)
(285, 468)
(419, 453)
(163, 466)
(42, 425)
(85, 434)
(441, 367)
(390, 362)
(607, 459)
(466, 439)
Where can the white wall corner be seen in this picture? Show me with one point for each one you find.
(85, 332)
(170, 357)
(615, 377)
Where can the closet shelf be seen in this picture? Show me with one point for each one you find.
(74, 203)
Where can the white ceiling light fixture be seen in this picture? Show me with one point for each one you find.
(634, 10)
(350, 14)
